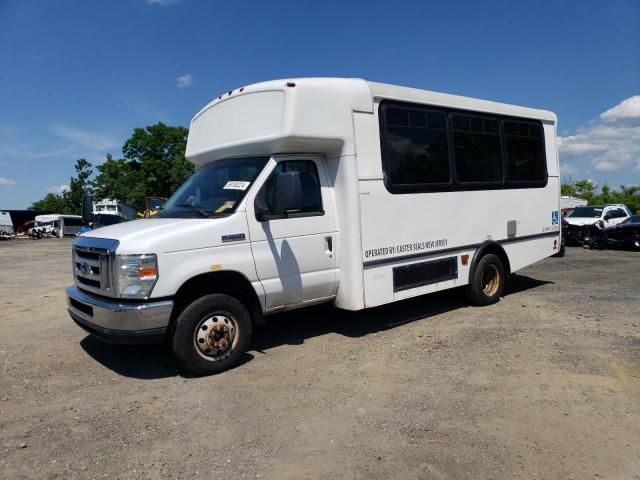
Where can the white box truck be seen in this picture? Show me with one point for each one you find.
(323, 190)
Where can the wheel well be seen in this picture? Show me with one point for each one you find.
(490, 247)
(229, 283)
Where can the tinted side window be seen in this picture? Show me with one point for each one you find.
(415, 146)
(477, 150)
(617, 213)
(525, 152)
(311, 194)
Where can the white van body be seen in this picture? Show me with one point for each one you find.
(58, 225)
(6, 224)
(372, 242)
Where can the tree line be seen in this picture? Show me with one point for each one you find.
(586, 189)
(152, 165)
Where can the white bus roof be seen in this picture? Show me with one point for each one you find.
(394, 92)
(274, 117)
(53, 217)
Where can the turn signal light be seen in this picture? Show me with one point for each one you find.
(147, 272)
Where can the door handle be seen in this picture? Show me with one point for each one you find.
(329, 241)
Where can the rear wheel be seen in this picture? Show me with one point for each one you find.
(488, 281)
(211, 334)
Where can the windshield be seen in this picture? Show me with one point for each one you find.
(631, 219)
(590, 212)
(154, 203)
(215, 189)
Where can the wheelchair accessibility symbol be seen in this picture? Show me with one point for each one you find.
(554, 217)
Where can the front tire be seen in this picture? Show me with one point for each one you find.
(488, 281)
(211, 334)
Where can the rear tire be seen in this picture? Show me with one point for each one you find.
(488, 281)
(211, 334)
(561, 252)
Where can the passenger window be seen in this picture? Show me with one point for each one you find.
(310, 183)
(525, 152)
(415, 147)
(477, 150)
(616, 213)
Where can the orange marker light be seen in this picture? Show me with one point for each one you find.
(464, 259)
(147, 272)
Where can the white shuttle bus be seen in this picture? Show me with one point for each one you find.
(58, 225)
(323, 190)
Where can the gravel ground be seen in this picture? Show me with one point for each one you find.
(544, 384)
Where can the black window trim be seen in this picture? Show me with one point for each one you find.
(314, 213)
(454, 185)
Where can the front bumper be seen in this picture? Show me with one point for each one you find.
(116, 321)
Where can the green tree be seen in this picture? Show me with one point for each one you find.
(567, 188)
(157, 153)
(78, 185)
(585, 189)
(52, 203)
(153, 165)
(119, 180)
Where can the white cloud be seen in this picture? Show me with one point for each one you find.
(58, 189)
(7, 181)
(611, 144)
(164, 3)
(576, 145)
(184, 80)
(31, 154)
(568, 169)
(628, 109)
(94, 141)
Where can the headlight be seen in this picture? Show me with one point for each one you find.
(136, 275)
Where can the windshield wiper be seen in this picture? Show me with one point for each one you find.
(196, 207)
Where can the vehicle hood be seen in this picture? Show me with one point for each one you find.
(163, 235)
(581, 220)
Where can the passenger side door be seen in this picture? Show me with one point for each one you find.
(613, 216)
(293, 247)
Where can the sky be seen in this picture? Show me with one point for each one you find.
(76, 77)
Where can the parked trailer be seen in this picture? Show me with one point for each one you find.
(324, 190)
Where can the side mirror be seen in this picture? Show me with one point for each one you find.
(289, 192)
(87, 208)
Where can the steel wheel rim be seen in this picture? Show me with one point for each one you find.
(490, 280)
(216, 336)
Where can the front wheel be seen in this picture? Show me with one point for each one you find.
(211, 334)
(488, 281)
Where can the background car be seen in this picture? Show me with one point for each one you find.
(624, 235)
(586, 223)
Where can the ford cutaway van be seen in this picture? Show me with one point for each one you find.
(323, 190)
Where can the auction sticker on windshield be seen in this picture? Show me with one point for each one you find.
(236, 185)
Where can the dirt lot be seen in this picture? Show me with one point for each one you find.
(545, 384)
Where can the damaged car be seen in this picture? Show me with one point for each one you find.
(586, 225)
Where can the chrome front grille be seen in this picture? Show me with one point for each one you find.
(93, 262)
